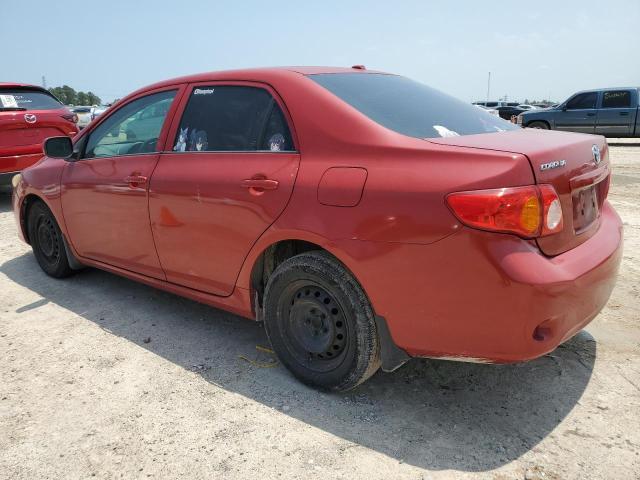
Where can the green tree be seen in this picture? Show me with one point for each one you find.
(65, 94)
(81, 98)
(93, 99)
(69, 96)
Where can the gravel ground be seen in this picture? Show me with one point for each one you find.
(102, 377)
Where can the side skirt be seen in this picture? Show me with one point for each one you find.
(239, 302)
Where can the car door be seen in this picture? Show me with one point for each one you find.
(615, 115)
(105, 191)
(578, 114)
(224, 179)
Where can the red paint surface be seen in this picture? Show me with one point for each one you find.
(342, 186)
(445, 289)
(21, 142)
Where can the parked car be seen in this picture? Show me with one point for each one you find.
(490, 110)
(508, 111)
(491, 104)
(84, 115)
(525, 106)
(365, 218)
(28, 115)
(612, 112)
(98, 110)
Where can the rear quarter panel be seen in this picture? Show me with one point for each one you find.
(403, 201)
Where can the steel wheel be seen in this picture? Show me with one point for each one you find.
(320, 322)
(315, 326)
(47, 242)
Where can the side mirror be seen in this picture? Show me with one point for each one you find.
(564, 107)
(58, 147)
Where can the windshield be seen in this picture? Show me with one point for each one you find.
(409, 107)
(27, 99)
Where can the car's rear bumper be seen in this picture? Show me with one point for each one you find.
(489, 297)
(12, 164)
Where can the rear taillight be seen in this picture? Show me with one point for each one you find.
(70, 117)
(531, 211)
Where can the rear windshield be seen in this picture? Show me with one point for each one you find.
(28, 99)
(409, 107)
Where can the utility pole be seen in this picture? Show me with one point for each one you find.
(488, 86)
(44, 82)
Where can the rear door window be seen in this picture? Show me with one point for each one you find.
(232, 118)
(616, 99)
(18, 98)
(409, 107)
(583, 101)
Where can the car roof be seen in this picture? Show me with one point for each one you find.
(607, 89)
(254, 74)
(21, 85)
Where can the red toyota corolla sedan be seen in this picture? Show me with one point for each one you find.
(28, 115)
(364, 217)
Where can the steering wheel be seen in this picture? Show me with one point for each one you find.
(143, 147)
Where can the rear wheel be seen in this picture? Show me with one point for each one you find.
(47, 242)
(320, 322)
(538, 125)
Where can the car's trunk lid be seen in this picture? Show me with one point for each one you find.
(23, 129)
(568, 162)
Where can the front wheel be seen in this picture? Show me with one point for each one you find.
(47, 242)
(320, 322)
(538, 125)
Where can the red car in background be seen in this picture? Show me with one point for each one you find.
(28, 115)
(364, 217)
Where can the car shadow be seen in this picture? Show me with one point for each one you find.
(432, 414)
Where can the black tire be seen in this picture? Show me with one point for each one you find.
(320, 322)
(47, 242)
(539, 125)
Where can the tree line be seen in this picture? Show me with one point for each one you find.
(69, 96)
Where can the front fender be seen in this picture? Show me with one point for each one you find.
(549, 117)
(41, 181)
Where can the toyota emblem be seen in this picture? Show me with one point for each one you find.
(596, 154)
(30, 118)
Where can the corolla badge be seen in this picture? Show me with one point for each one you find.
(554, 164)
(30, 118)
(596, 154)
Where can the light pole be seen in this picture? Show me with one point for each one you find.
(488, 86)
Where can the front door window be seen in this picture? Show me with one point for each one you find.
(132, 130)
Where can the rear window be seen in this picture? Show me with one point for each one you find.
(28, 99)
(616, 99)
(409, 107)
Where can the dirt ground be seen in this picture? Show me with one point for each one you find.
(103, 377)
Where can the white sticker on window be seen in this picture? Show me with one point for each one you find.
(203, 91)
(8, 101)
(445, 132)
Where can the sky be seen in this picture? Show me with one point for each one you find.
(534, 50)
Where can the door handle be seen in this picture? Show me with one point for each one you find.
(624, 113)
(135, 180)
(260, 183)
(591, 114)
